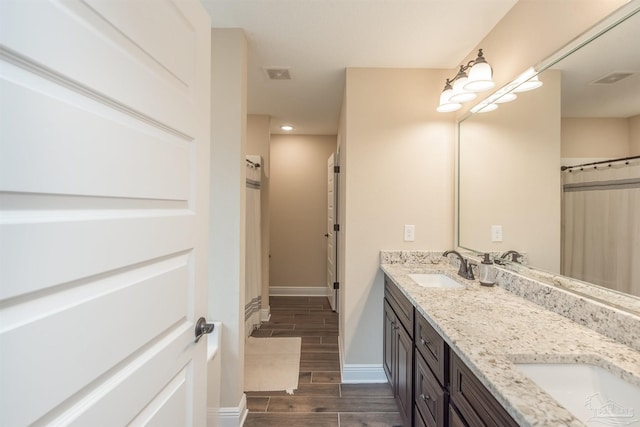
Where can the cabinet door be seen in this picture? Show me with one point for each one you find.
(402, 307)
(474, 402)
(433, 348)
(404, 393)
(388, 343)
(431, 399)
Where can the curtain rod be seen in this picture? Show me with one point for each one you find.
(564, 168)
(252, 163)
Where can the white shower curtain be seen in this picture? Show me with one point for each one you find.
(601, 225)
(253, 269)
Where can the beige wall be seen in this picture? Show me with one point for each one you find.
(298, 209)
(258, 136)
(258, 143)
(227, 234)
(595, 137)
(510, 176)
(397, 154)
(634, 136)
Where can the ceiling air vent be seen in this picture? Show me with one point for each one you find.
(611, 78)
(279, 73)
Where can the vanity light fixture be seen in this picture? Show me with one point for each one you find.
(286, 128)
(480, 75)
(487, 108)
(532, 83)
(460, 93)
(507, 97)
(446, 105)
(464, 87)
(526, 81)
(484, 107)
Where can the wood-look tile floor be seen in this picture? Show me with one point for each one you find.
(320, 400)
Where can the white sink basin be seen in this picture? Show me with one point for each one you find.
(591, 393)
(434, 280)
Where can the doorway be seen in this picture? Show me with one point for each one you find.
(298, 214)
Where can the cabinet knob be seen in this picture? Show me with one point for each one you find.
(424, 342)
(425, 397)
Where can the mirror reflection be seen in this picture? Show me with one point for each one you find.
(583, 221)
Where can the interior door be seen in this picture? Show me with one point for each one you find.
(331, 235)
(104, 152)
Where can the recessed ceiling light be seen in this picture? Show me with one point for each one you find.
(286, 128)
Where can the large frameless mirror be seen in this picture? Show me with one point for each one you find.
(581, 222)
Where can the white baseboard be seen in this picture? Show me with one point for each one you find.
(233, 416)
(358, 374)
(298, 291)
(265, 314)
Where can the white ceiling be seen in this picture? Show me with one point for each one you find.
(610, 53)
(319, 39)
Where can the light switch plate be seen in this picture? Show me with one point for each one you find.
(496, 233)
(409, 233)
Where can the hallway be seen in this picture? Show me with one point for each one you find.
(320, 400)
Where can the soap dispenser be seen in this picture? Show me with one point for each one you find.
(486, 272)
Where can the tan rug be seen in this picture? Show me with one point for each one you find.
(272, 364)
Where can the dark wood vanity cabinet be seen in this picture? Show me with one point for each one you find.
(471, 402)
(431, 399)
(431, 378)
(398, 348)
(388, 343)
(433, 348)
(432, 386)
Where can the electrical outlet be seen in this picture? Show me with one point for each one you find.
(409, 233)
(496, 233)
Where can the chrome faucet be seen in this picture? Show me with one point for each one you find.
(465, 268)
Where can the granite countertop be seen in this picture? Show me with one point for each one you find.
(490, 328)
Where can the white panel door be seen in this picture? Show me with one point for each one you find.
(331, 234)
(104, 150)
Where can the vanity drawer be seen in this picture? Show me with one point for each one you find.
(400, 304)
(431, 400)
(432, 347)
(474, 402)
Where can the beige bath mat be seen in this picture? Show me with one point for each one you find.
(272, 364)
